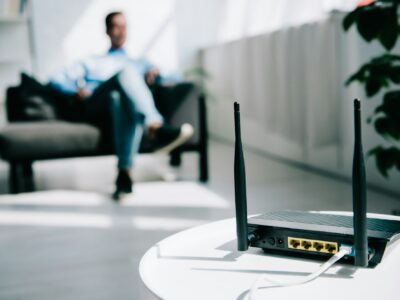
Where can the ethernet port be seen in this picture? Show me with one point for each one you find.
(306, 244)
(331, 248)
(318, 246)
(294, 243)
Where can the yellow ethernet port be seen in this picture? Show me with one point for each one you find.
(318, 246)
(294, 243)
(312, 245)
(331, 247)
(306, 244)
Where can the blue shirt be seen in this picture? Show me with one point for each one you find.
(93, 71)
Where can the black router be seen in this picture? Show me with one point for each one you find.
(314, 235)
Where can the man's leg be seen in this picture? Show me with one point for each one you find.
(111, 107)
(121, 126)
(140, 100)
(127, 133)
(127, 130)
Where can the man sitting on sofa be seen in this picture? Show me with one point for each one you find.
(111, 91)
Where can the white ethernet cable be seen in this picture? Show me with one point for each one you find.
(344, 250)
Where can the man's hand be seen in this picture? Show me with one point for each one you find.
(151, 75)
(82, 94)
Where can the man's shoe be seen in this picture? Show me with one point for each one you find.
(123, 185)
(168, 138)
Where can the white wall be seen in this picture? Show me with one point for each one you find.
(290, 83)
(206, 23)
(168, 32)
(69, 30)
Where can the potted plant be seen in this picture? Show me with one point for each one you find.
(378, 20)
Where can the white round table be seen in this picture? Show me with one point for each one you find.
(203, 263)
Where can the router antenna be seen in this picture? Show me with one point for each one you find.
(359, 194)
(240, 186)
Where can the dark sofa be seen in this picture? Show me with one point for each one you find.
(38, 130)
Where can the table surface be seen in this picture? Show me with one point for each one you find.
(203, 263)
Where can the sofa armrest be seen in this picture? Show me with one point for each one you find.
(11, 108)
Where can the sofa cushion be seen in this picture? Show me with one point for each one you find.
(30, 101)
(44, 140)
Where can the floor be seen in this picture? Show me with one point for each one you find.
(67, 249)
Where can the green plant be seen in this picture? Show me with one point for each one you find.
(378, 20)
(199, 76)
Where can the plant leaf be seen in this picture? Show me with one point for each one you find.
(385, 158)
(388, 127)
(359, 75)
(381, 164)
(394, 74)
(370, 22)
(375, 150)
(372, 86)
(398, 162)
(391, 105)
(350, 19)
(389, 33)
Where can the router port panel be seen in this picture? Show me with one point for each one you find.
(275, 240)
(312, 245)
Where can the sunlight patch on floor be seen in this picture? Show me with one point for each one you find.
(174, 194)
(55, 219)
(164, 224)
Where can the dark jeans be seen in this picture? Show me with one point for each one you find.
(120, 107)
